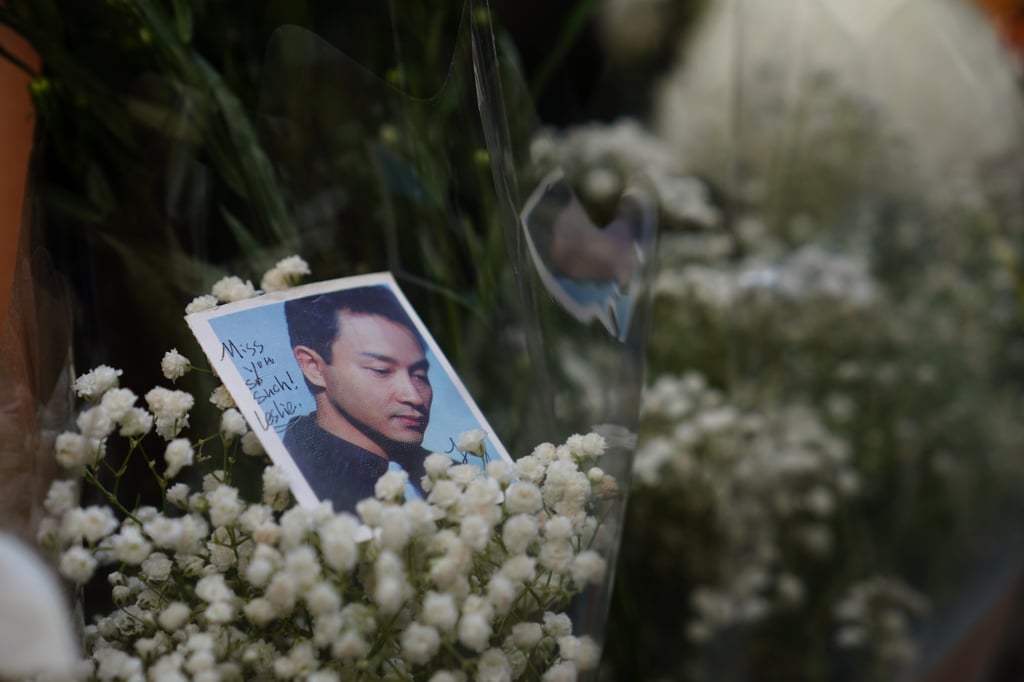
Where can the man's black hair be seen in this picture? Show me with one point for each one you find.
(313, 321)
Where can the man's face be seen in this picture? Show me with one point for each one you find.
(377, 379)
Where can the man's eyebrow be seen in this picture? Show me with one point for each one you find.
(379, 356)
(421, 364)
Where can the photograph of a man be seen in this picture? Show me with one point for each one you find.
(366, 366)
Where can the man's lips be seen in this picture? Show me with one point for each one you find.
(412, 421)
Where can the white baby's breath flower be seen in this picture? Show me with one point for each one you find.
(391, 486)
(136, 422)
(436, 464)
(177, 494)
(62, 496)
(170, 409)
(350, 646)
(302, 565)
(213, 588)
(116, 403)
(251, 444)
(370, 511)
(523, 497)
(493, 667)
(219, 612)
(587, 653)
(526, 635)
(232, 288)
(174, 365)
(419, 643)
(77, 564)
(129, 546)
(482, 497)
(232, 424)
(323, 676)
(501, 593)
(276, 492)
(475, 531)
(282, 593)
(94, 424)
(221, 398)
(463, 474)
(530, 468)
(322, 599)
(518, 532)
(445, 494)
(225, 505)
(337, 542)
(588, 567)
(501, 471)
(287, 272)
(112, 664)
(439, 610)
(394, 529)
(259, 611)
(260, 568)
(474, 631)
(545, 453)
(562, 671)
(167, 403)
(446, 676)
(174, 616)
(97, 523)
(157, 567)
(73, 451)
(557, 624)
(177, 454)
(96, 382)
(556, 556)
(520, 568)
(472, 441)
(201, 304)
(164, 531)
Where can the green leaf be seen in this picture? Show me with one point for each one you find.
(176, 124)
(250, 245)
(570, 33)
(100, 194)
(183, 20)
(71, 205)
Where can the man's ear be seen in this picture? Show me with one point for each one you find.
(311, 363)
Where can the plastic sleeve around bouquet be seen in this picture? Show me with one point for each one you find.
(425, 172)
(393, 139)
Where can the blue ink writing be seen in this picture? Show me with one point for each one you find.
(276, 415)
(231, 349)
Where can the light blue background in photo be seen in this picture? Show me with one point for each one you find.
(257, 342)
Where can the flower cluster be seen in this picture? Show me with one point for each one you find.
(468, 583)
(877, 614)
(607, 158)
(763, 479)
(808, 416)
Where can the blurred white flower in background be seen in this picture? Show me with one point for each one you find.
(933, 71)
(35, 631)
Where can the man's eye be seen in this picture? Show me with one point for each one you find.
(380, 372)
(420, 376)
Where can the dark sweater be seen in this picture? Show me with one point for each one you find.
(340, 471)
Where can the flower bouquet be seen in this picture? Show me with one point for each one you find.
(828, 480)
(220, 582)
(201, 156)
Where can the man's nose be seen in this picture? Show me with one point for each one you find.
(408, 391)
